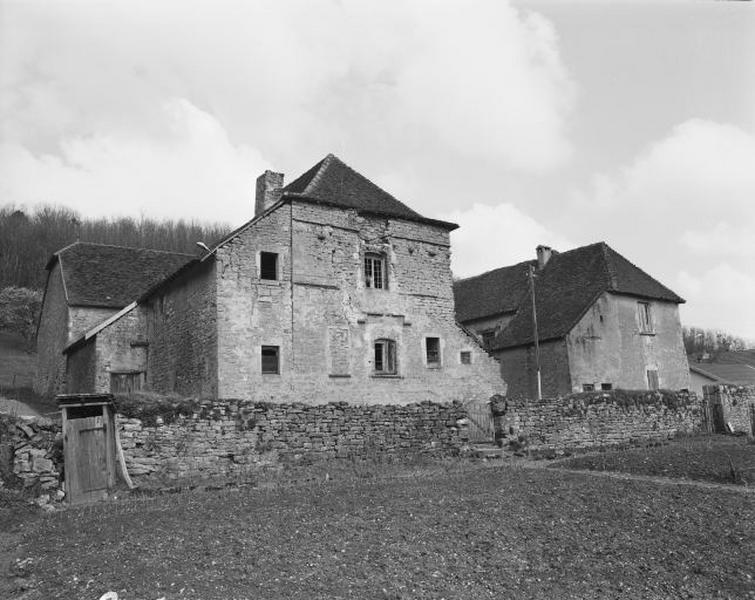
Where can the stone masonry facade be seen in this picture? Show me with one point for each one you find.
(206, 329)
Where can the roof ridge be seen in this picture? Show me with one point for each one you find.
(609, 266)
(324, 164)
(465, 279)
(79, 242)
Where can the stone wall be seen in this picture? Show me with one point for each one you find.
(31, 456)
(600, 419)
(737, 403)
(52, 336)
(217, 439)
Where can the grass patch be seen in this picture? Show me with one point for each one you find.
(476, 533)
(714, 458)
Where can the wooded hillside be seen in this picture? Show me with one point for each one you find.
(28, 238)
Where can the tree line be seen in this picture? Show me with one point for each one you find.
(29, 238)
(710, 341)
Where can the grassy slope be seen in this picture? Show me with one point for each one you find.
(17, 370)
(500, 532)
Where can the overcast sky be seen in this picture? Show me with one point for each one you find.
(525, 122)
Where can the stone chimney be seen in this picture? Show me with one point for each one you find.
(543, 256)
(269, 186)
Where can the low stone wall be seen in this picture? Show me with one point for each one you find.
(31, 456)
(598, 419)
(216, 439)
(737, 403)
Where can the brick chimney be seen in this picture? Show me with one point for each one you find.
(269, 186)
(544, 254)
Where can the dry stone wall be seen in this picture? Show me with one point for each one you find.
(225, 438)
(599, 419)
(737, 405)
(31, 456)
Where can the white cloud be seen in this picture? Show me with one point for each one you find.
(685, 208)
(296, 79)
(195, 172)
(496, 236)
(719, 298)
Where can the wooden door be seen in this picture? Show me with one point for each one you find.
(718, 419)
(88, 469)
(481, 426)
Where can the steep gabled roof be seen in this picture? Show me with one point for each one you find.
(493, 293)
(112, 276)
(333, 182)
(568, 285)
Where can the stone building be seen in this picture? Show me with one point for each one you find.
(602, 323)
(334, 291)
(86, 284)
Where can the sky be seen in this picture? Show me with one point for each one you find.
(557, 123)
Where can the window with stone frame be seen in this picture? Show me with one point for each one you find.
(645, 317)
(269, 266)
(588, 387)
(375, 273)
(465, 357)
(270, 360)
(385, 357)
(432, 351)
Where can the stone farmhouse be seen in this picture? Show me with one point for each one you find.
(86, 284)
(334, 291)
(602, 323)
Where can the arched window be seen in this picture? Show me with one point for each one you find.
(385, 357)
(374, 271)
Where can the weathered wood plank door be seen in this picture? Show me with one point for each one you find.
(718, 418)
(89, 453)
(481, 425)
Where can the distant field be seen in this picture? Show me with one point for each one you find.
(17, 368)
(16, 365)
(713, 458)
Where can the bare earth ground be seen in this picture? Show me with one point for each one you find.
(460, 530)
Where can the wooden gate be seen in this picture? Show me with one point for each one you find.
(717, 412)
(88, 446)
(481, 425)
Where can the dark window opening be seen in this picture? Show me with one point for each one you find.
(385, 357)
(374, 271)
(487, 337)
(271, 360)
(268, 265)
(588, 387)
(606, 386)
(432, 351)
(465, 357)
(653, 379)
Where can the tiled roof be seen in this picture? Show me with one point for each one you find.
(332, 182)
(737, 374)
(112, 276)
(565, 289)
(493, 293)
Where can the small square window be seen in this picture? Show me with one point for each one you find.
(268, 265)
(374, 271)
(465, 356)
(385, 357)
(432, 351)
(606, 386)
(588, 387)
(271, 360)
